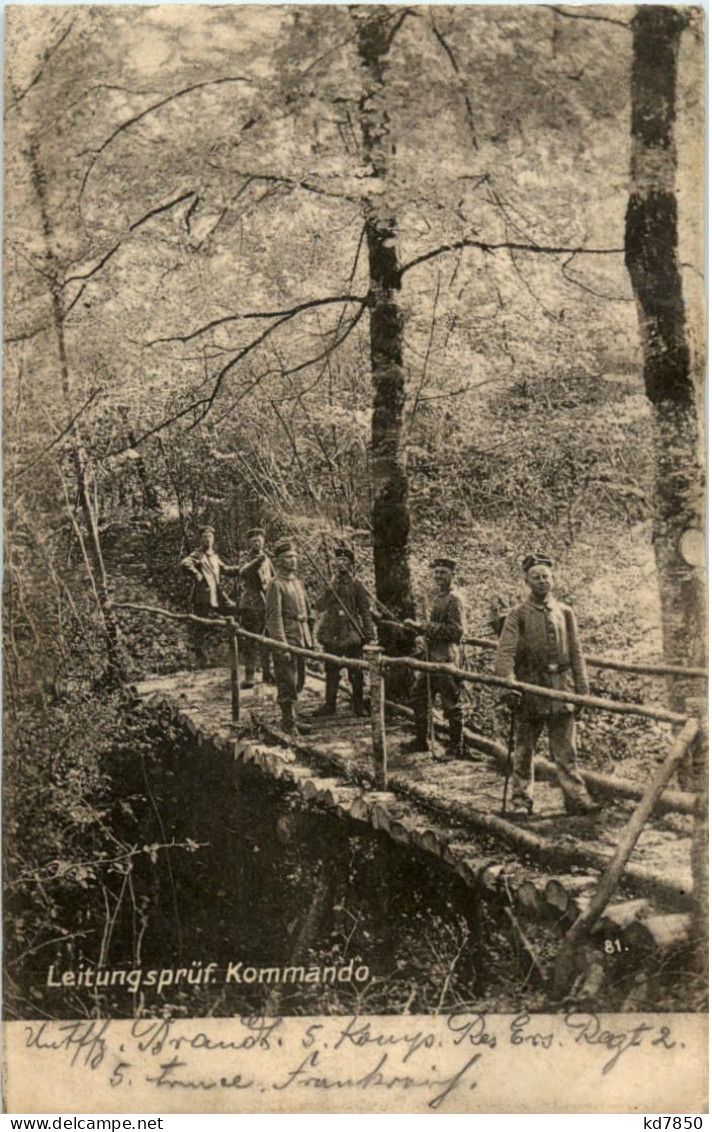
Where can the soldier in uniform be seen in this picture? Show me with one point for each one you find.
(256, 573)
(289, 619)
(442, 633)
(540, 645)
(345, 627)
(207, 597)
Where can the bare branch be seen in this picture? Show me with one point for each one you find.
(396, 27)
(453, 63)
(67, 109)
(591, 290)
(45, 59)
(580, 16)
(26, 335)
(205, 404)
(506, 245)
(295, 184)
(100, 264)
(150, 110)
(68, 428)
(282, 315)
(105, 259)
(161, 208)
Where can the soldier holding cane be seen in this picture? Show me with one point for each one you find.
(540, 645)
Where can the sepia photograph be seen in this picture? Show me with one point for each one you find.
(355, 615)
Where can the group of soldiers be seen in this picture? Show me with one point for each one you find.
(539, 645)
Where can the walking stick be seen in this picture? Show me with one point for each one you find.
(431, 717)
(510, 755)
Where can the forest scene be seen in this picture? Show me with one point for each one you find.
(419, 280)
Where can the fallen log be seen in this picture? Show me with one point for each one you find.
(560, 893)
(530, 899)
(378, 803)
(427, 840)
(658, 933)
(619, 863)
(617, 917)
(359, 809)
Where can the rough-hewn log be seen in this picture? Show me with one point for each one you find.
(530, 899)
(619, 916)
(606, 785)
(658, 933)
(651, 668)
(617, 866)
(560, 892)
(615, 706)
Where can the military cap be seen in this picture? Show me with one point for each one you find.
(284, 546)
(345, 552)
(204, 530)
(255, 532)
(537, 559)
(447, 563)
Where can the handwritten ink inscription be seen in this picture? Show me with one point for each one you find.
(433, 1062)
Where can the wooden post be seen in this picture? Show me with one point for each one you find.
(629, 836)
(234, 669)
(373, 654)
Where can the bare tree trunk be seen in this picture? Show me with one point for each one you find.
(391, 519)
(114, 673)
(652, 259)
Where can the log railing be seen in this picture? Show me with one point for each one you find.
(652, 668)
(376, 664)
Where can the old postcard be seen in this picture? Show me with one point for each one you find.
(354, 598)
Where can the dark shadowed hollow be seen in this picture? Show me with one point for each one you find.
(255, 880)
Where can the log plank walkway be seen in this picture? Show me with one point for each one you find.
(451, 809)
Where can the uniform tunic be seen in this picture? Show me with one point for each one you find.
(540, 645)
(207, 598)
(347, 621)
(288, 619)
(255, 577)
(346, 626)
(206, 567)
(443, 633)
(444, 630)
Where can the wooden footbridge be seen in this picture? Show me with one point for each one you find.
(618, 884)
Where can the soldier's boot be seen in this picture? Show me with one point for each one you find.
(360, 708)
(581, 804)
(421, 710)
(420, 742)
(249, 681)
(300, 728)
(267, 673)
(454, 749)
(332, 689)
(288, 724)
